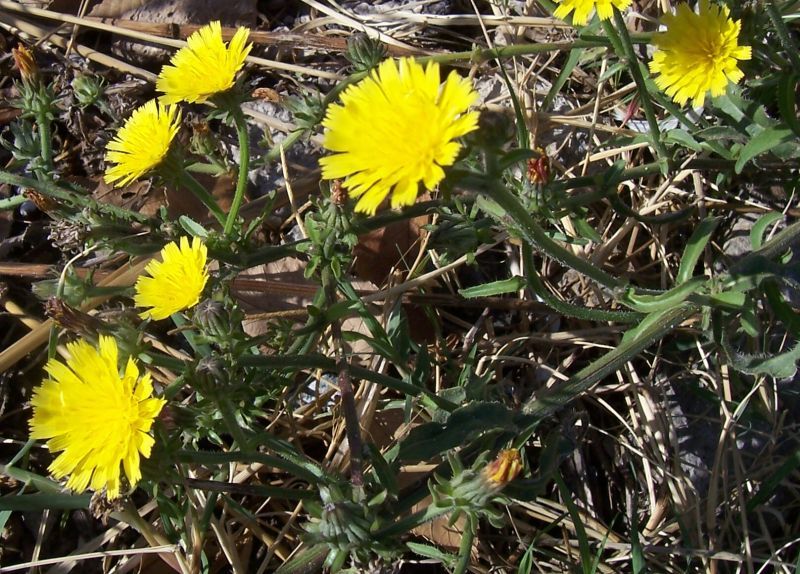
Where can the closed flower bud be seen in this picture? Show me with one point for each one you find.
(87, 90)
(213, 319)
(210, 371)
(364, 52)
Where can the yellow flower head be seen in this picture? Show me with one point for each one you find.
(175, 282)
(698, 52)
(582, 9)
(396, 129)
(204, 67)
(142, 143)
(98, 417)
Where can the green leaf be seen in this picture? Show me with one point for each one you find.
(637, 553)
(585, 230)
(762, 143)
(307, 561)
(495, 288)
(43, 484)
(526, 562)
(429, 551)
(760, 227)
(490, 206)
(514, 157)
(653, 328)
(729, 299)
(382, 469)
(566, 71)
(694, 248)
(772, 482)
(646, 303)
(39, 502)
(463, 424)
(787, 86)
(584, 550)
(784, 311)
(684, 138)
(782, 366)
(192, 227)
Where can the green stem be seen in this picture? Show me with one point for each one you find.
(465, 548)
(483, 55)
(187, 180)
(70, 198)
(229, 416)
(11, 202)
(328, 364)
(244, 164)
(783, 32)
(536, 236)
(537, 286)
(627, 53)
(275, 153)
(213, 168)
(45, 142)
(653, 328)
(348, 402)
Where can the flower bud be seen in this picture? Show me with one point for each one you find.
(212, 318)
(87, 90)
(210, 371)
(364, 52)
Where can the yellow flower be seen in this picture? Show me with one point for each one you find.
(204, 67)
(583, 9)
(698, 53)
(396, 129)
(175, 282)
(98, 417)
(142, 143)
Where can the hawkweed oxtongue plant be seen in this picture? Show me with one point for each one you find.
(393, 129)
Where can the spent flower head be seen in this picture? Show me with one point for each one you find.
(174, 283)
(699, 52)
(206, 66)
(25, 63)
(397, 129)
(582, 9)
(504, 468)
(97, 415)
(142, 143)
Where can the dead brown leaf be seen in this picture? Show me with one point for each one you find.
(139, 196)
(439, 532)
(383, 250)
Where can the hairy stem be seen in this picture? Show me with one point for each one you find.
(244, 165)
